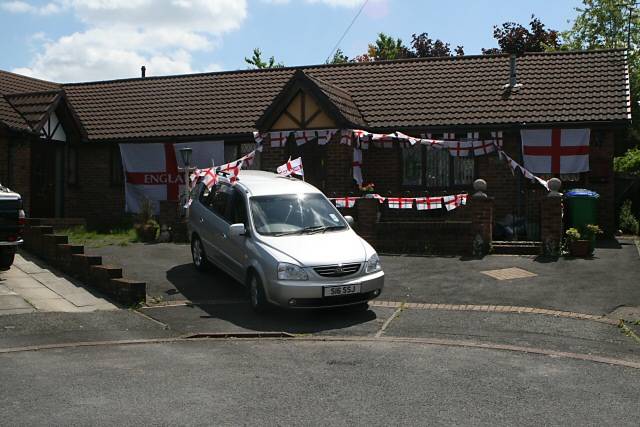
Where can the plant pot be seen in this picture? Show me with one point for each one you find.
(580, 248)
(146, 232)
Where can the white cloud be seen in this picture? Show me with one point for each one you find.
(122, 35)
(334, 3)
(24, 7)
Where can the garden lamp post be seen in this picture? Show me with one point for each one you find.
(185, 155)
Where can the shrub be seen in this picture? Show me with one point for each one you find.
(629, 163)
(592, 230)
(628, 222)
(573, 234)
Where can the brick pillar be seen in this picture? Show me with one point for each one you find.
(551, 219)
(367, 212)
(171, 218)
(482, 223)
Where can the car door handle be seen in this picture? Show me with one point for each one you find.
(201, 220)
(224, 236)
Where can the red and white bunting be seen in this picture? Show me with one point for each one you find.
(400, 202)
(357, 165)
(291, 167)
(428, 203)
(527, 174)
(278, 139)
(344, 202)
(481, 148)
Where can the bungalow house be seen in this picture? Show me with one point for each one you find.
(59, 142)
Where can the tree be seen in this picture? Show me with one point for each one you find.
(339, 58)
(256, 61)
(424, 47)
(386, 47)
(516, 39)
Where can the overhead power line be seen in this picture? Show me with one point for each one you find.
(364, 3)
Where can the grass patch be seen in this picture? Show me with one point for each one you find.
(97, 239)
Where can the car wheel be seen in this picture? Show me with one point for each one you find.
(257, 296)
(198, 255)
(6, 259)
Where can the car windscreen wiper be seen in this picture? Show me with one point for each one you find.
(322, 228)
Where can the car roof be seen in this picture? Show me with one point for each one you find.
(261, 183)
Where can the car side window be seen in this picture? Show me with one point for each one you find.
(238, 209)
(217, 200)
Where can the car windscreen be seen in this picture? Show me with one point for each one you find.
(284, 214)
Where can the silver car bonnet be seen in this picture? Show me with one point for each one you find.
(309, 250)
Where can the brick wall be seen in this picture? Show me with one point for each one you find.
(20, 181)
(94, 197)
(4, 159)
(551, 224)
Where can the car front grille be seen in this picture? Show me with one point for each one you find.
(339, 270)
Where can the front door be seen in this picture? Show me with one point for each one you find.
(44, 159)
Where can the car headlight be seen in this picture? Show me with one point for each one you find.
(288, 271)
(373, 264)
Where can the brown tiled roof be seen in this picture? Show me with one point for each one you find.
(341, 99)
(561, 87)
(34, 107)
(11, 84)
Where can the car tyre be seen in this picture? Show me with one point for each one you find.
(198, 255)
(257, 297)
(6, 259)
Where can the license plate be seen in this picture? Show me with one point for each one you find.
(334, 291)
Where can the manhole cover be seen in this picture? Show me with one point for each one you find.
(509, 273)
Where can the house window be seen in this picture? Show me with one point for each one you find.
(412, 165)
(436, 168)
(72, 166)
(117, 173)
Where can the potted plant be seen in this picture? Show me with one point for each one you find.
(578, 247)
(367, 189)
(146, 227)
(591, 231)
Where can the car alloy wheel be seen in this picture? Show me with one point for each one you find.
(196, 252)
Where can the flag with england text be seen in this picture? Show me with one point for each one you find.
(153, 171)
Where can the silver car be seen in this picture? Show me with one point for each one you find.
(285, 241)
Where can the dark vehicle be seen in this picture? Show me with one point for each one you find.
(12, 220)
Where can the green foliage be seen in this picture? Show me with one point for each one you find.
(423, 47)
(96, 239)
(256, 61)
(628, 222)
(146, 212)
(629, 163)
(386, 47)
(573, 234)
(339, 58)
(592, 230)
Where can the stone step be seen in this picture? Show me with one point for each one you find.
(516, 247)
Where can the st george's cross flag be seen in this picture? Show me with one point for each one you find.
(291, 167)
(152, 171)
(555, 150)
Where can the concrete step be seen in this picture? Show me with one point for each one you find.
(516, 247)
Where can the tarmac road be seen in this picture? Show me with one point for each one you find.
(307, 382)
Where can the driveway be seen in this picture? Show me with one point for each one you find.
(595, 286)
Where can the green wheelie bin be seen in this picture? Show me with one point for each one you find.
(582, 207)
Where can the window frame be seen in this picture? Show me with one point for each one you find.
(423, 175)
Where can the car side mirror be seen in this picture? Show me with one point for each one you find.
(349, 220)
(237, 230)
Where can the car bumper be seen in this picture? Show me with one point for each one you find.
(309, 294)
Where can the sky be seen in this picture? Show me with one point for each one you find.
(87, 40)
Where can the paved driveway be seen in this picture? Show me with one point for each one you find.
(596, 286)
(31, 286)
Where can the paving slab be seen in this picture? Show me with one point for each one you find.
(82, 298)
(38, 293)
(12, 302)
(54, 304)
(6, 291)
(22, 282)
